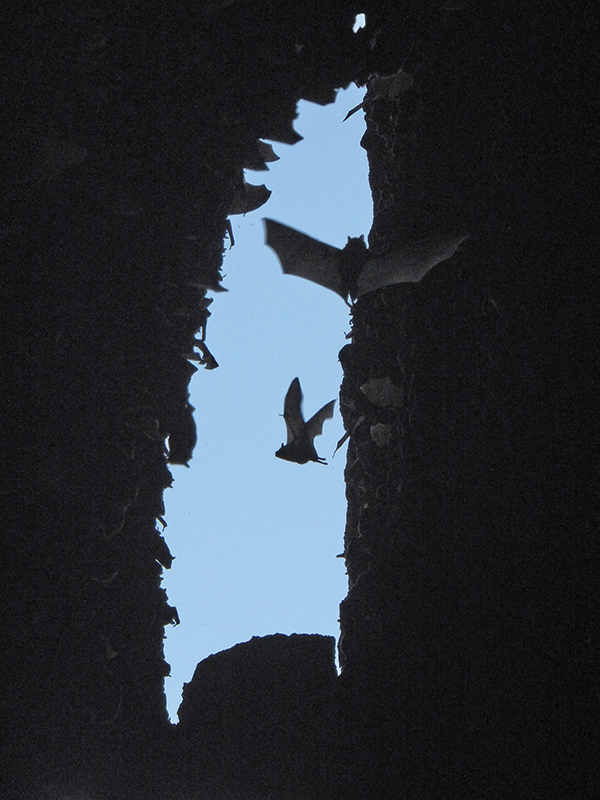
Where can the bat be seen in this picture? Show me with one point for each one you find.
(258, 153)
(300, 434)
(354, 270)
(248, 197)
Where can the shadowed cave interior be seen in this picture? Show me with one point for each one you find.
(469, 646)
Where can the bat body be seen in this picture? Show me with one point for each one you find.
(354, 270)
(300, 446)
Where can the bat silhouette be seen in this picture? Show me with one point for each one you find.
(355, 270)
(300, 434)
(248, 197)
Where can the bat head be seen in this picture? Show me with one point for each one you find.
(352, 261)
(356, 243)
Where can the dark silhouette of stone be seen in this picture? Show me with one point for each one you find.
(257, 718)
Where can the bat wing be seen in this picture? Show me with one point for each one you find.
(306, 257)
(408, 263)
(248, 197)
(292, 413)
(314, 426)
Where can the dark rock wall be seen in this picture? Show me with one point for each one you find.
(468, 635)
(258, 719)
(125, 130)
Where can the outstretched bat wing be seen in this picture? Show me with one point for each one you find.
(292, 413)
(406, 264)
(306, 257)
(314, 426)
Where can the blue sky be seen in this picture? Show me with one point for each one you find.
(255, 538)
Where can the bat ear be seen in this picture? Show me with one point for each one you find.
(356, 242)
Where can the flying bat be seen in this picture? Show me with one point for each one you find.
(248, 197)
(300, 434)
(355, 270)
